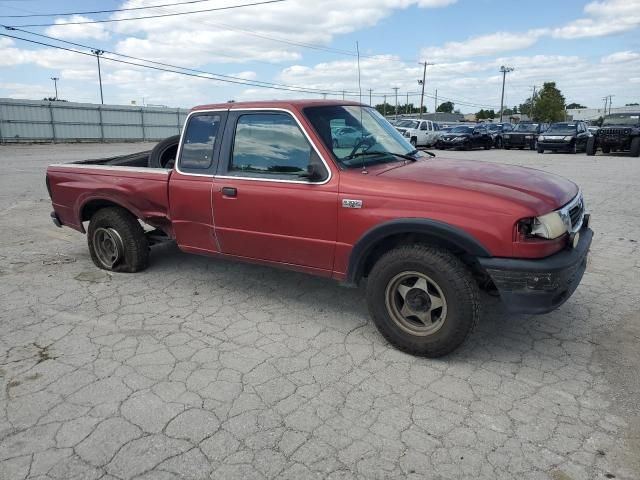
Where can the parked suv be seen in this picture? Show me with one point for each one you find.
(262, 182)
(524, 135)
(418, 132)
(497, 131)
(565, 136)
(619, 131)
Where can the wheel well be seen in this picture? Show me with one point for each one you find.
(91, 207)
(390, 242)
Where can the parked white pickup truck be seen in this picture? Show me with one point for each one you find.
(419, 132)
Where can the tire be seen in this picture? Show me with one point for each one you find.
(520, 148)
(467, 146)
(164, 154)
(488, 145)
(634, 151)
(533, 146)
(447, 278)
(573, 149)
(540, 150)
(606, 149)
(413, 142)
(498, 142)
(507, 148)
(591, 146)
(115, 229)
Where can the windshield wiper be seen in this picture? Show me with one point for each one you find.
(406, 156)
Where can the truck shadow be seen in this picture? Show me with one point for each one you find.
(500, 336)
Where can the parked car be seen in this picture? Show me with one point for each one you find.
(348, 137)
(525, 134)
(466, 137)
(419, 132)
(619, 132)
(262, 182)
(566, 136)
(497, 130)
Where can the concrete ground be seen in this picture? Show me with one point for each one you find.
(202, 368)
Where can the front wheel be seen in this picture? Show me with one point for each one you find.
(540, 149)
(635, 147)
(414, 142)
(423, 300)
(606, 149)
(591, 146)
(117, 242)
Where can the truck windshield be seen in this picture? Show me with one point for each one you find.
(374, 140)
(622, 119)
(407, 124)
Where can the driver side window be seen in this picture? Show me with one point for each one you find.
(272, 146)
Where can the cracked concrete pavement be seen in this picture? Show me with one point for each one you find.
(202, 368)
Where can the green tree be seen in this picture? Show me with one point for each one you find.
(631, 104)
(575, 105)
(549, 106)
(446, 107)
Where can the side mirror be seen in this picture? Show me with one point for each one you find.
(314, 173)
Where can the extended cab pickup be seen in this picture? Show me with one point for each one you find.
(264, 182)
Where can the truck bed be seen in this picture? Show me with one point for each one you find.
(78, 188)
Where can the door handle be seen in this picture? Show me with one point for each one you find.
(229, 191)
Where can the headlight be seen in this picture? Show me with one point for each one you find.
(567, 138)
(548, 226)
(541, 137)
(507, 136)
(528, 136)
(407, 133)
(459, 139)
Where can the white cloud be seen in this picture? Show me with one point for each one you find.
(621, 57)
(484, 45)
(604, 18)
(95, 31)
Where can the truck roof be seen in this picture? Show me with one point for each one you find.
(274, 104)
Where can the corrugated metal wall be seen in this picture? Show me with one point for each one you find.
(43, 121)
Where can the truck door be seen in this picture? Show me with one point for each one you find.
(191, 182)
(274, 196)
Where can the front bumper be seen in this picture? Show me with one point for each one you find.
(518, 141)
(540, 285)
(555, 145)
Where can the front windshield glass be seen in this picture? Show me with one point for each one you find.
(526, 127)
(622, 119)
(461, 129)
(407, 124)
(562, 128)
(374, 141)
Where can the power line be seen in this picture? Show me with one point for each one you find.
(174, 14)
(102, 11)
(206, 75)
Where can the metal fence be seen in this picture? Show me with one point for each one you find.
(44, 121)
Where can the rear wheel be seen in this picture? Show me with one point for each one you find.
(540, 149)
(422, 299)
(414, 142)
(591, 146)
(117, 242)
(635, 147)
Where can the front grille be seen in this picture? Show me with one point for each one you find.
(576, 214)
(614, 131)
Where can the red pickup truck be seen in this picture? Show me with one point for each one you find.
(264, 182)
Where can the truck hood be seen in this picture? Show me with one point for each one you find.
(535, 189)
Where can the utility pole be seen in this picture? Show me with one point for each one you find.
(407, 108)
(610, 102)
(533, 99)
(55, 85)
(97, 53)
(396, 89)
(384, 107)
(435, 102)
(324, 96)
(504, 71)
(343, 94)
(370, 91)
(422, 82)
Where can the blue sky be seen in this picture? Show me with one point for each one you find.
(590, 48)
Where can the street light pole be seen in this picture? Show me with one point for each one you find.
(396, 89)
(424, 78)
(504, 71)
(55, 85)
(97, 53)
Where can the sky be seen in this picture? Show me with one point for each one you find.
(591, 49)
